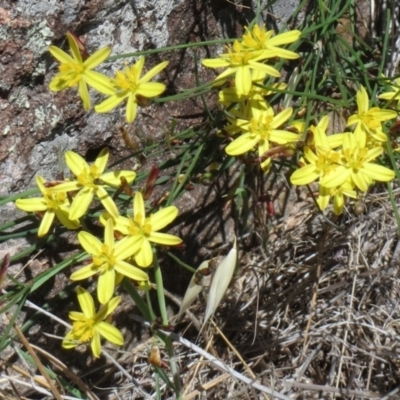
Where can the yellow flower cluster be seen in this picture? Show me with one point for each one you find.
(344, 162)
(249, 112)
(129, 85)
(111, 259)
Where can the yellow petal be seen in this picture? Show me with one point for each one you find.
(111, 333)
(360, 181)
(144, 257)
(383, 115)
(283, 53)
(336, 178)
(126, 247)
(67, 186)
(243, 79)
(45, 225)
(81, 203)
(31, 205)
(96, 344)
(139, 65)
(153, 72)
(110, 103)
(282, 137)
(40, 184)
(139, 211)
(215, 63)
(75, 163)
(107, 201)
(164, 238)
(99, 82)
(265, 68)
(61, 55)
(242, 144)
(67, 343)
(84, 94)
(97, 58)
(106, 285)
(163, 217)
(131, 108)
(63, 217)
(74, 48)
(282, 117)
(86, 302)
(110, 307)
(362, 100)
(101, 160)
(338, 204)
(389, 96)
(83, 273)
(114, 178)
(304, 175)
(130, 271)
(90, 243)
(284, 38)
(109, 234)
(150, 89)
(378, 172)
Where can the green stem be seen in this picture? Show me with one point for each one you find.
(163, 310)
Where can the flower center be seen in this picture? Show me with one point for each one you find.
(370, 122)
(55, 199)
(71, 73)
(105, 260)
(262, 126)
(89, 177)
(82, 330)
(127, 81)
(137, 228)
(354, 158)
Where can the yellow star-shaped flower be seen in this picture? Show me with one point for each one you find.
(76, 72)
(53, 204)
(90, 326)
(146, 229)
(108, 259)
(90, 181)
(368, 121)
(129, 85)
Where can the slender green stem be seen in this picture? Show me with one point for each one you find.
(163, 310)
(169, 48)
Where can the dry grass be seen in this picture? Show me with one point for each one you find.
(314, 314)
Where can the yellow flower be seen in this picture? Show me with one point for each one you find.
(256, 96)
(369, 120)
(260, 131)
(394, 94)
(90, 181)
(107, 260)
(129, 85)
(323, 160)
(90, 326)
(347, 189)
(356, 166)
(259, 39)
(240, 62)
(145, 230)
(321, 139)
(76, 72)
(54, 203)
(317, 165)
